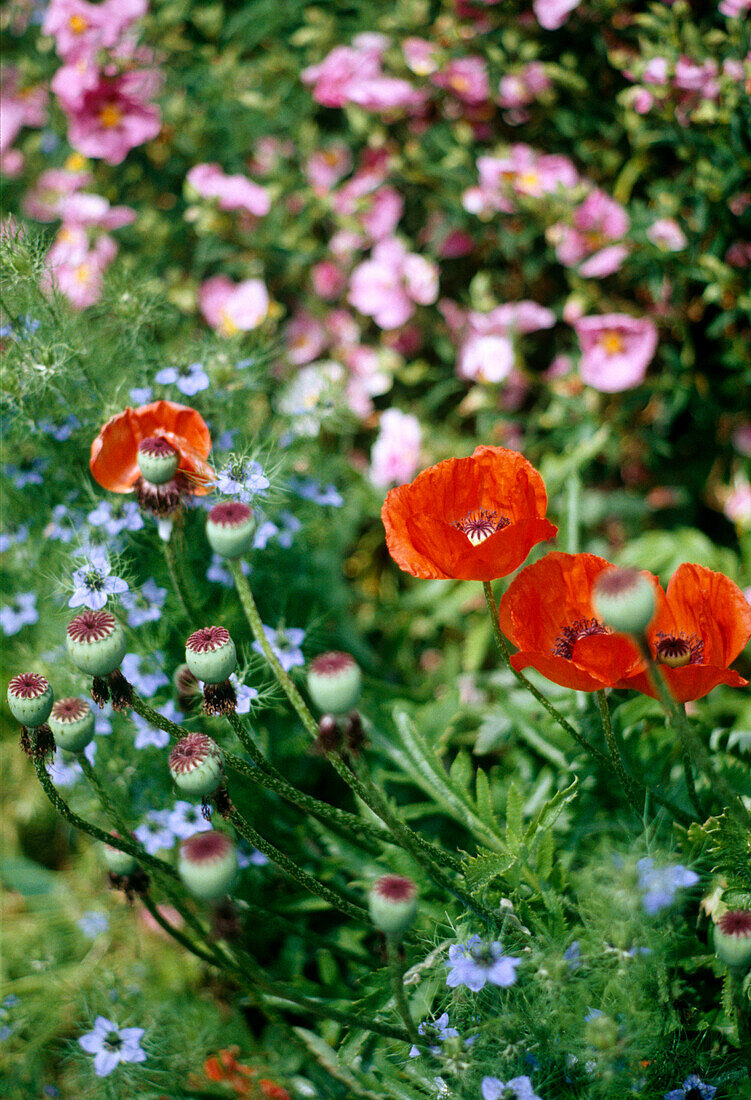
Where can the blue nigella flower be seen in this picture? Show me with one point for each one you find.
(434, 1030)
(190, 380)
(572, 955)
(63, 431)
(126, 517)
(243, 479)
(154, 832)
(659, 884)
(111, 1045)
(286, 646)
(476, 962)
(93, 923)
(145, 682)
(13, 538)
(310, 489)
(187, 819)
(518, 1088)
(245, 695)
(693, 1089)
(21, 612)
(94, 582)
(144, 606)
(141, 395)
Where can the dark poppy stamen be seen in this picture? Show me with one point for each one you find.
(570, 635)
(677, 650)
(480, 525)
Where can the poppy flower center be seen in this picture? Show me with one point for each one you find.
(676, 650)
(480, 525)
(156, 445)
(571, 634)
(736, 922)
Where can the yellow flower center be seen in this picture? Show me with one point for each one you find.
(227, 326)
(110, 116)
(75, 163)
(611, 342)
(529, 179)
(78, 24)
(459, 83)
(83, 273)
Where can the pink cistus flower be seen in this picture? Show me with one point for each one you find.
(233, 307)
(326, 167)
(596, 222)
(388, 285)
(113, 116)
(667, 234)
(19, 107)
(616, 350)
(81, 29)
(467, 79)
(231, 192)
(552, 14)
(396, 452)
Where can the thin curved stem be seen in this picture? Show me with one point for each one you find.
(177, 576)
(626, 781)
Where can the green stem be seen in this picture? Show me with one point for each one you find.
(607, 726)
(742, 1014)
(177, 576)
(267, 776)
(107, 805)
(693, 745)
(396, 970)
(603, 760)
(121, 842)
(308, 882)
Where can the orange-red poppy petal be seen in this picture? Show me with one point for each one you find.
(711, 605)
(420, 517)
(559, 671)
(113, 461)
(687, 683)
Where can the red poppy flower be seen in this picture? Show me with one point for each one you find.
(114, 452)
(547, 613)
(469, 519)
(224, 1067)
(702, 623)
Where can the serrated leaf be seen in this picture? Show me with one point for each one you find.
(460, 771)
(484, 868)
(514, 815)
(544, 858)
(551, 811)
(485, 798)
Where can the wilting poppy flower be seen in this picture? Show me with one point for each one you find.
(224, 1067)
(470, 519)
(547, 613)
(702, 623)
(162, 428)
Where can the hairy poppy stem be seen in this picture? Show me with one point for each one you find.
(626, 781)
(107, 805)
(600, 757)
(396, 970)
(694, 747)
(172, 557)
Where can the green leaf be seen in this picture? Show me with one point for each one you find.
(485, 799)
(514, 815)
(551, 811)
(460, 771)
(484, 868)
(27, 877)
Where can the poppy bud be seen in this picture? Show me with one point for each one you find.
(118, 862)
(732, 938)
(393, 904)
(210, 654)
(95, 642)
(157, 459)
(72, 723)
(208, 865)
(196, 765)
(230, 528)
(624, 600)
(30, 699)
(334, 682)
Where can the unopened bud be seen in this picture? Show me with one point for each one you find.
(72, 723)
(196, 765)
(732, 938)
(30, 699)
(393, 904)
(334, 682)
(624, 600)
(230, 528)
(208, 864)
(95, 642)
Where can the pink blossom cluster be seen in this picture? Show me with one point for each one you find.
(19, 106)
(616, 350)
(236, 192)
(389, 284)
(684, 85)
(522, 171)
(354, 74)
(101, 86)
(587, 241)
(552, 14)
(83, 249)
(395, 456)
(485, 341)
(231, 307)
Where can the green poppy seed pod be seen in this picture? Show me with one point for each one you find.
(95, 642)
(210, 654)
(334, 682)
(196, 765)
(732, 938)
(230, 528)
(118, 862)
(72, 723)
(208, 864)
(157, 459)
(393, 904)
(624, 600)
(30, 699)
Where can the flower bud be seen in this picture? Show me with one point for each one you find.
(95, 642)
(72, 723)
(230, 528)
(732, 938)
(157, 459)
(393, 904)
(30, 699)
(118, 862)
(624, 599)
(334, 682)
(210, 654)
(196, 764)
(208, 864)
